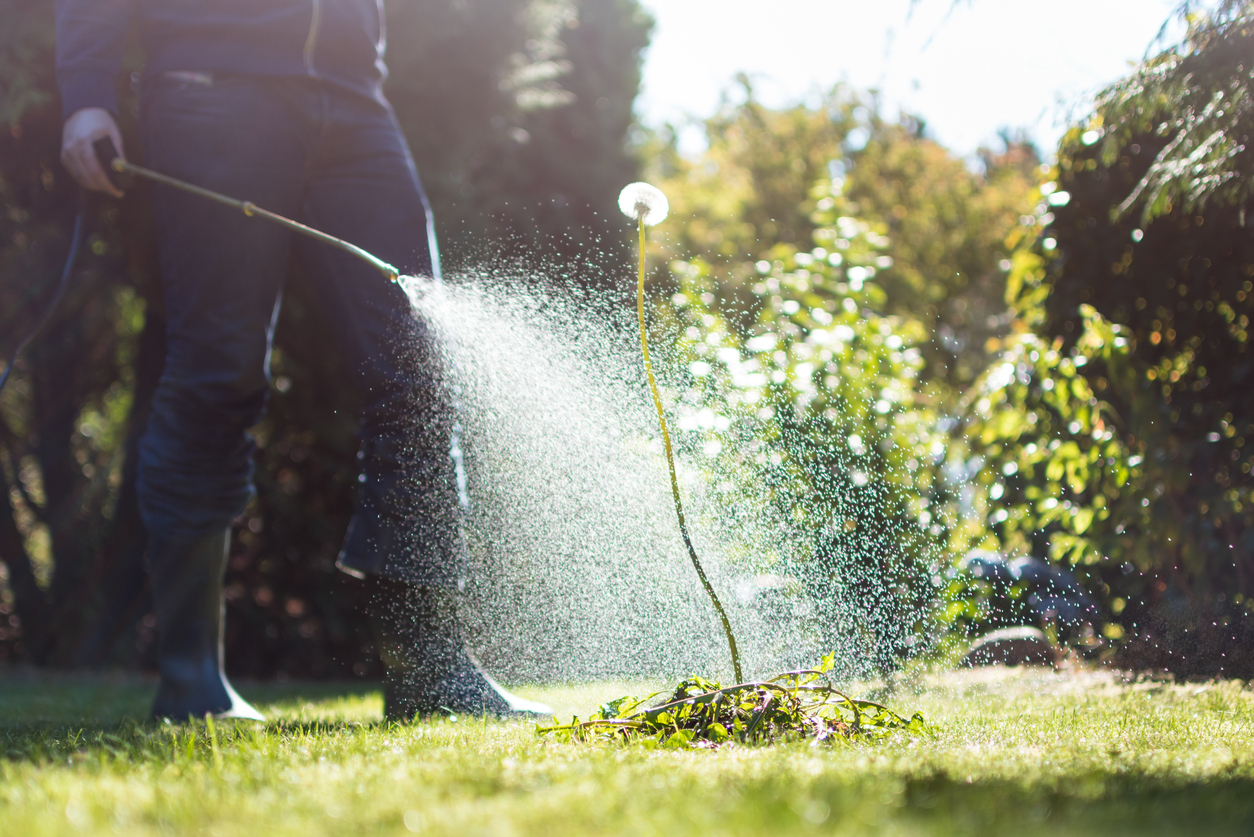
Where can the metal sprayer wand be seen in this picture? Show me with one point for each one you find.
(109, 158)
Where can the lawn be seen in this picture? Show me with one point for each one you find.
(1013, 752)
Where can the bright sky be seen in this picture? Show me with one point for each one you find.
(967, 70)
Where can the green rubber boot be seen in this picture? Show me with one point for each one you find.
(429, 669)
(187, 594)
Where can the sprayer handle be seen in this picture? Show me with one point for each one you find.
(106, 153)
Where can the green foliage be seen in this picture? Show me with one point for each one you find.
(750, 186)
(1057, 469)
(25, 42)
(945, 224)
(1114, 423)
(836, 366)
(822, 396)
(1198, 97)
(794, 706)
(946, 227)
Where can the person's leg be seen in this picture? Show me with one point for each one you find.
(221, 275)
(407, 530)
(363, 188)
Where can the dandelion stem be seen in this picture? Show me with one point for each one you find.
(670, 463)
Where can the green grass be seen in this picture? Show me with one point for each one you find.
(1015, 752)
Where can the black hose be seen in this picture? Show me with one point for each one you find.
(76, 239)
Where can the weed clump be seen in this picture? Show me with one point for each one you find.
(793, 706)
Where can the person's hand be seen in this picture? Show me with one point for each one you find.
(84, 127)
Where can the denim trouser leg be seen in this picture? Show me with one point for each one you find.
(337, 161)
(364, 189)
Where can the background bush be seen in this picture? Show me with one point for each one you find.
(1115, 420)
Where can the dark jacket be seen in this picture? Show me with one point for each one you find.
(339, 41)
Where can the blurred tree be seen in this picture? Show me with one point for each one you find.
(751, 186)
(946, 225)
(819, 411)
(534, 102)
(66, 418)
(506, 104)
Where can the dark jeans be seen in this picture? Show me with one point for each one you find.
(335, 160)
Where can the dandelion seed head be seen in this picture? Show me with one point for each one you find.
(642, 200)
